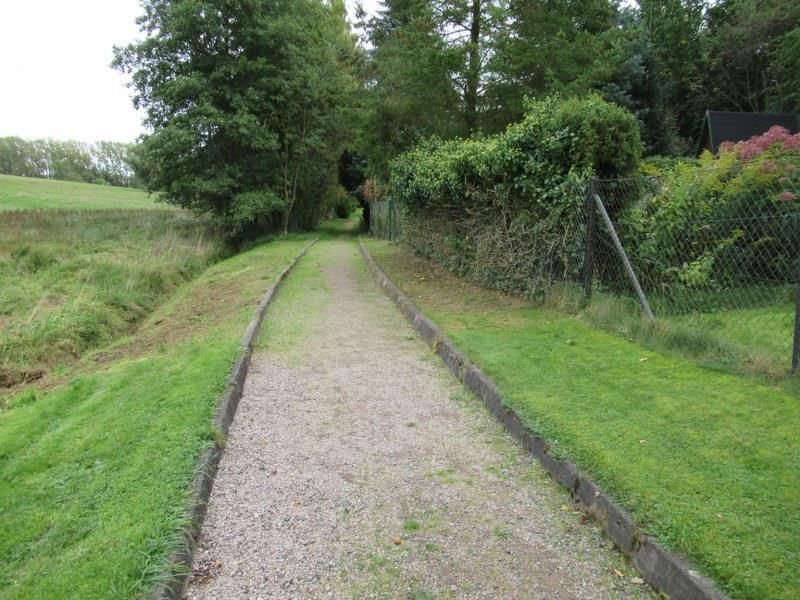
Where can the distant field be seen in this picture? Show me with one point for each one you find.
(25, 193)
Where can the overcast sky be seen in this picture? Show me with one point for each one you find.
(55, 79)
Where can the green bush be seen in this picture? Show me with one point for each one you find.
(339, 203)
(661, 166)
(507, 210)
(730, 220)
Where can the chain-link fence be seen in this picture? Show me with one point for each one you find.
(714, 260)
(385, 220)
(707, 262)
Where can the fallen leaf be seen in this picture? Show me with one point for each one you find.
(637, 580)
(618, 573)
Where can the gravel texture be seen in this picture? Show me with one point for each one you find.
(357, 467)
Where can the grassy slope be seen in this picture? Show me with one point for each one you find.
(72, 281)
(93, 474)
(708, 462)
(23, 193)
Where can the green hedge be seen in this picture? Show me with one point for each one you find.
(507, 210)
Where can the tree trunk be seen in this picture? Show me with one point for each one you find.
(473, 68)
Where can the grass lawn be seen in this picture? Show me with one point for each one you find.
(768, 330)
(753, 341)
(708, 462)
(71, 281)
(25, 193)
(94, 471)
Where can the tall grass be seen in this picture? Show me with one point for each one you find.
(747, 341)
(95, 472)
(73, 280)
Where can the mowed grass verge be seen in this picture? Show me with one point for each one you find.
(94, 473)
(756, 342)
(26, 193)
(708, 462)
(71, 281)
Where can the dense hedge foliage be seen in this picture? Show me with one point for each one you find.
(507, 210)
(730, 220)
(557, 143)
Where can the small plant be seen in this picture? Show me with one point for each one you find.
(410, 525)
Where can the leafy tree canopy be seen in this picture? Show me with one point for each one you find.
(245, 101)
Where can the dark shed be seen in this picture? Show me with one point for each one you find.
(722, 126)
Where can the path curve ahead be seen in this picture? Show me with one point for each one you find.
(358, 468)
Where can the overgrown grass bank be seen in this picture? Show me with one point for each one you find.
(25, 193)
(94, 473)
(71, 281)
(708, 462)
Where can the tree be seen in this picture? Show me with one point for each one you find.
(113, 163)
(545, 46)
(459, 68)
(675, 28)
(16, 157)
(470, 28)
(69, 161)
(629, 75)
(244, 100)
(103, 162)
(408, 83)
(751, 51)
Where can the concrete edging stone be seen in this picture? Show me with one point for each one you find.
(667, 572)
(174, 579)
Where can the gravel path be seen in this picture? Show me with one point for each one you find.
(358, 468)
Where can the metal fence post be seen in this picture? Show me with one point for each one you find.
(394, 219)
(796, 349)
(624, 256)
(591, 227)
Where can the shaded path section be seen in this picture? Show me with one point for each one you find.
(357, 467)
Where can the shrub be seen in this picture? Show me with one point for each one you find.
(730, 220)
(507, 210)
(337, 202)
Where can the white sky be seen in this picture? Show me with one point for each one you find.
(55, 78)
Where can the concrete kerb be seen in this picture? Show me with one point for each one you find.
(173, 581)
(665, 571)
